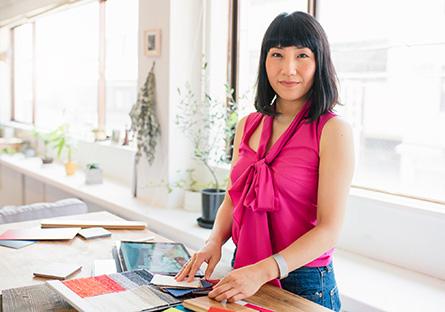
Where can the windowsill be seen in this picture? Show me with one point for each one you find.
(365, 284)
(106, 143)
(417, 204)
(407, 203)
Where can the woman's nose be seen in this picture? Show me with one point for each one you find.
(289, 66)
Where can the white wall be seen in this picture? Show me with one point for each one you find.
(11, 187)
(185, 66)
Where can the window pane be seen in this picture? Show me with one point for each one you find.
(255, 17)
(23, 73)
(67, 68)
(391, 77)
(5, 111)
(217, 29)
(121, 61)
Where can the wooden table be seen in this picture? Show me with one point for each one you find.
(17, 265)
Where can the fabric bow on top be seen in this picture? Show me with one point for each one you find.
(254, 189)
(258, 190)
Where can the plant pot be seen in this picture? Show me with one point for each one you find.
(70, 168)
(93, 176)
(192, 201)
(47, 160)
(211, 200)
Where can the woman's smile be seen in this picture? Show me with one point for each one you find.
(289, 83)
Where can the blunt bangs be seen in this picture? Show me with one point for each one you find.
(286, 31)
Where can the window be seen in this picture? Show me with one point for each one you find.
(255, 16)
(391, 81)
(23, 73)
(442, 93)
(57, 66)
(67, 68)
(217, 22)
(121, 61)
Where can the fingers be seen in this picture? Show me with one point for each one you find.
(210, 268)
(233, 292)
(239, 296)
(195, 265)
(218, 291)
(184, 270)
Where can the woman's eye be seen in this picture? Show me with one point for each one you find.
(302, 55)
(275, 54)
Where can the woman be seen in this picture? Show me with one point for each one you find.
(292, 167)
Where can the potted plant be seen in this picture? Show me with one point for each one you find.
(93, 174)
(202, 120)
(46, 139)
(61, 141)
(192, 188)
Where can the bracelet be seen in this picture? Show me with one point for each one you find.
(282, 265)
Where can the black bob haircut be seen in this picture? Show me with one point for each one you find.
(301, 30)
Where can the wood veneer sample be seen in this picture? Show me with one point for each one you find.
(106, 224)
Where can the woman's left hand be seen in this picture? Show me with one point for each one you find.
(239, 284)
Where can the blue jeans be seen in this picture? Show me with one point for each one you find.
(316, 284)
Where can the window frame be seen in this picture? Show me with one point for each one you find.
(101, 83)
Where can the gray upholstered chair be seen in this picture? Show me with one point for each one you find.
(65, 207)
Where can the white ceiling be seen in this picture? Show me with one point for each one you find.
(13, 10)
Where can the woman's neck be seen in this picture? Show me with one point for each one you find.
(289, 109)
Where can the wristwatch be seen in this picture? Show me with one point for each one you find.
(282, 265)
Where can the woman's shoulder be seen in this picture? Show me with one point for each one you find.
(244, 121)
(335, 122)
(336, 130)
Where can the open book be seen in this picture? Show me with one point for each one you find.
(126, 291)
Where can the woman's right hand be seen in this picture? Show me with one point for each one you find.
(210, 253)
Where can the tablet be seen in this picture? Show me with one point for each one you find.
(157, 257)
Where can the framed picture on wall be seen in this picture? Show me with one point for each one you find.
(152, 42)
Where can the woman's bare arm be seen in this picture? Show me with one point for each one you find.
(222, 228)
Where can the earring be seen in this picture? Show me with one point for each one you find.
(273, 100)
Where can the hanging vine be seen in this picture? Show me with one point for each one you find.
(144, 121)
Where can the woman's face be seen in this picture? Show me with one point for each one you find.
(291, 71)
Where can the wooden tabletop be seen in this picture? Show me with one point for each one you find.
(18, 264)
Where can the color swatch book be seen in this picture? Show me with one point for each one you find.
(126, 291)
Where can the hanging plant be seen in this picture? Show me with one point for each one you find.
(144, 121)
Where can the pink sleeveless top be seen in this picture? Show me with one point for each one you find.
(274, 194)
